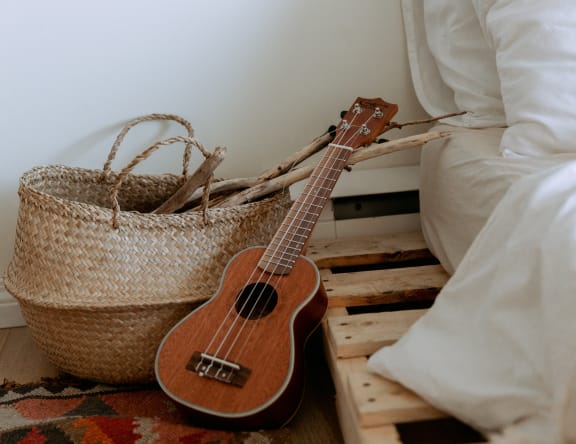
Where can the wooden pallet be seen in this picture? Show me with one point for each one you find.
(377, 288)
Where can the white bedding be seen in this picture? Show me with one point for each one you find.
(462, 178)
(498, 207)
(498, 347)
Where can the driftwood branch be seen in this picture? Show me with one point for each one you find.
(376, 150)
(231, 192)
(297, 157)
(236, 184)
(268, 187)
(200, 177)
(396, 125)
(361, 154)
(221, 187)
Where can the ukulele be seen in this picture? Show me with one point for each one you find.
(236, 361)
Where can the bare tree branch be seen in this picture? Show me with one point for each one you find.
(360, 155)
(393, 125)
(200, 177)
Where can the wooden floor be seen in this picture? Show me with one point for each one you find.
(315, 423)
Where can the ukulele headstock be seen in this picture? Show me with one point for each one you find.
(364, 122)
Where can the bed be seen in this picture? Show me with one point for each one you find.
(498, 208)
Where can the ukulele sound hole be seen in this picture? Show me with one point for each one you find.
(256, 301)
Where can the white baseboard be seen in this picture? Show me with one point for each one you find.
(10, 315)
(369, 226)
(366, 182)
(371, 181)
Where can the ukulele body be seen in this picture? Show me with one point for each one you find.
(237, 360)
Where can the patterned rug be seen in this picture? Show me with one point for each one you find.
(72, 411)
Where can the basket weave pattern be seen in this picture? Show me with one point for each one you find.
(97, 299)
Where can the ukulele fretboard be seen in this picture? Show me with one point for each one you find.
(293, 234)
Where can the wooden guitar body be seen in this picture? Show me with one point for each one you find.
(236, 361)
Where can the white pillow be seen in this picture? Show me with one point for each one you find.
(535, 45)
(453, 68)
(465, 61)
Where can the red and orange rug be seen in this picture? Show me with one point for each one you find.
(70, 411)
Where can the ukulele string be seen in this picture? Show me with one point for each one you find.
(313, 186)
(219, 330)
(249, 298)
(278, 286)
(304, 220)
(230, 312)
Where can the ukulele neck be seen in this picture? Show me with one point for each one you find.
(360, 125)
(294, 232)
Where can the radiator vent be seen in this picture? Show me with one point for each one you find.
(370, 202)
(376, 205)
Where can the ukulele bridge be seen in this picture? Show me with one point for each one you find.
(209, 366)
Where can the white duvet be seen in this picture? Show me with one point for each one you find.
(498, 207)
(498, 348)
(462, 178)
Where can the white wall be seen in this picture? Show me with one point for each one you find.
(260, 77)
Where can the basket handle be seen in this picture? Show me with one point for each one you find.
(120, 138)
(189, 141)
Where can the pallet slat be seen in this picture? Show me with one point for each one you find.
(359, 322)
(363, 420)
(352, 431)
(379, 401)
(374, 287)
(398, 247)
(363, 334)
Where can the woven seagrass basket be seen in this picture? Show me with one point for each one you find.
(98, 286)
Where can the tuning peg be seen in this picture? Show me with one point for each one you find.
(382, 140)
(343, 113)
(332, 129)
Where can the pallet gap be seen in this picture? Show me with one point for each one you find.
(376, 205)
(394, 306)
(418, 262)
(438, 431)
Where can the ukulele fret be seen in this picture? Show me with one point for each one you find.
(292, 233)
(330, 170)
(300, 228)
(328, 189)
(295, 248)
(300, 218)
(282, 262)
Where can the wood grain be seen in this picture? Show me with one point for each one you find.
(363, 334)
(270, 347)
(20, 359)
(393, 248)
(373, 287)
